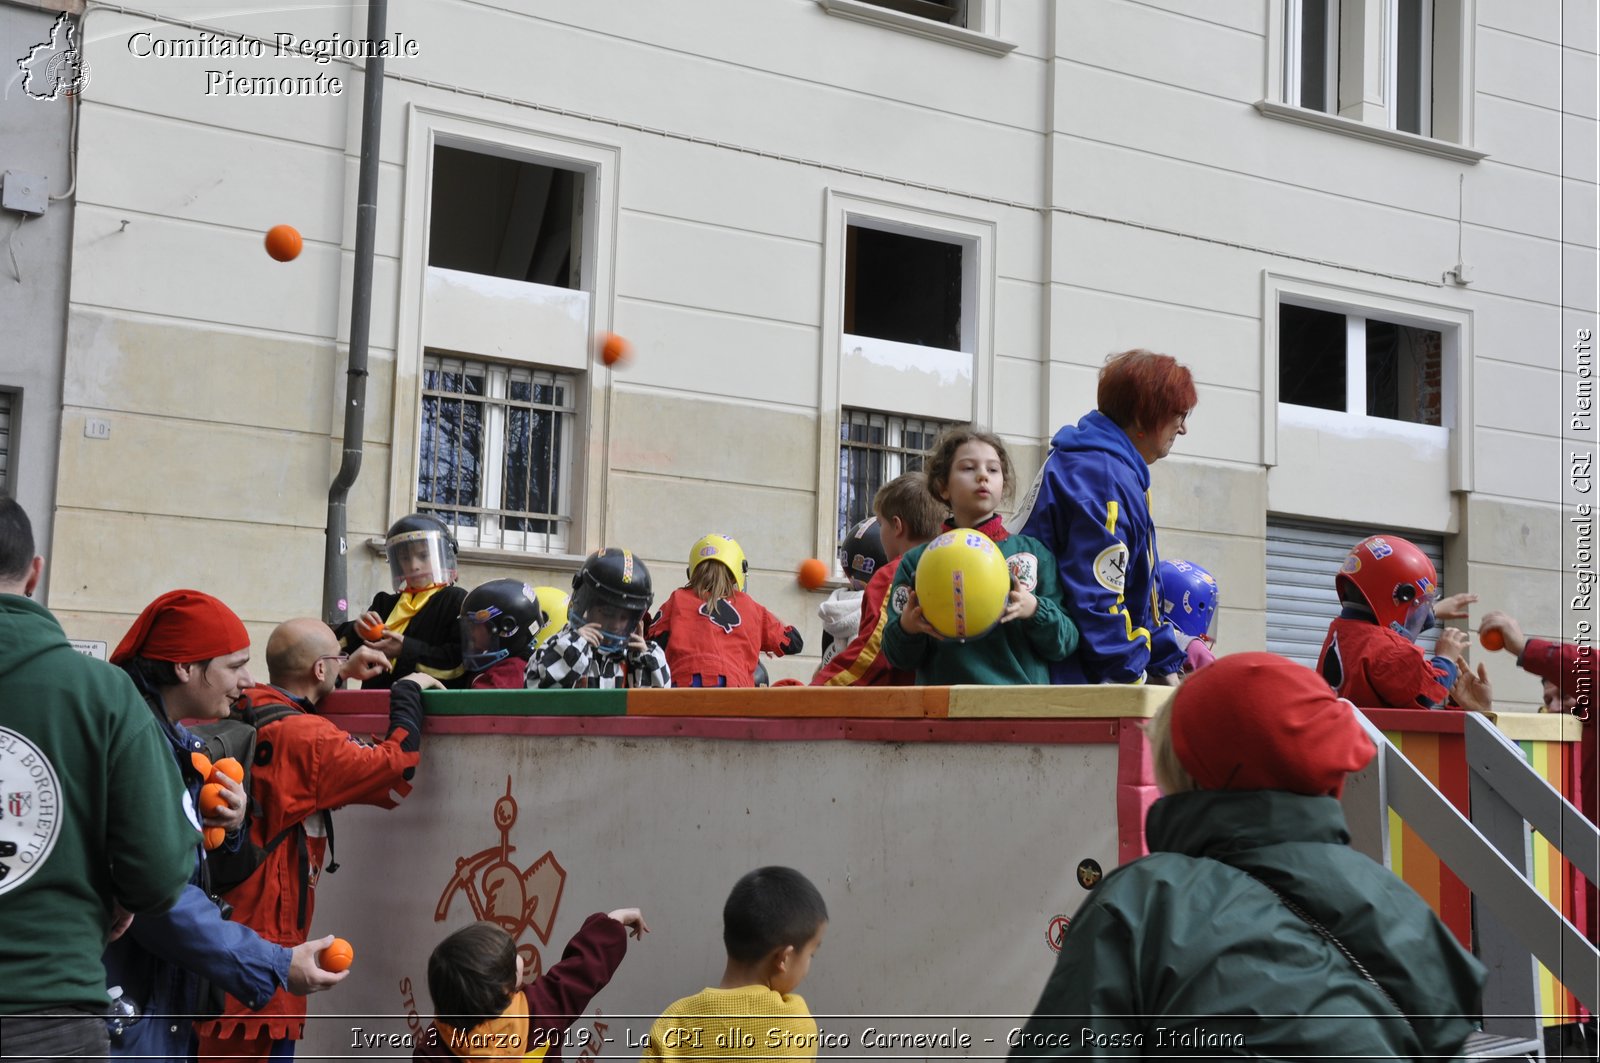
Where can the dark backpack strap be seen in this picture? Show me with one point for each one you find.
(327, 829)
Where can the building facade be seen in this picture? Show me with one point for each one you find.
(827, 228)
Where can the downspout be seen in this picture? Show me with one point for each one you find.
(335, 576)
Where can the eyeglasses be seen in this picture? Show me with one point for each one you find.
(340, 657)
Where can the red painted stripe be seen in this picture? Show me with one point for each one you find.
(1136, 789)
(1455, 900)
(786, 729)
(1417, 721)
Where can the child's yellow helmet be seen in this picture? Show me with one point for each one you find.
(554, 603)
(962, 583)
(720, 548)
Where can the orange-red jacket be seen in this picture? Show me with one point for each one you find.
(303, 765)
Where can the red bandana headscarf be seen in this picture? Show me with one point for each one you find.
(183, 627)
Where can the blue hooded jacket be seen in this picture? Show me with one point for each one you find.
(1090, 504)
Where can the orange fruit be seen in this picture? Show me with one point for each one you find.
(211, 799)
(812, 574)
(337, 957)
(1492, 639)
(369, 632)
(284, 243)
(230, 767)
(214, 836)
(202, 764)
(613, 348)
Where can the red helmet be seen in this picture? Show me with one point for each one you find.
(1395, 580)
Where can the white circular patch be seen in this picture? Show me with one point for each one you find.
(1025, 570)
(1111, 567)
(188, 810)
(902, 595)
(30, 809)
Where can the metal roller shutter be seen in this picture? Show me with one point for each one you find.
(1302, 558)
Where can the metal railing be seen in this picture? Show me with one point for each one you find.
(1492, 855)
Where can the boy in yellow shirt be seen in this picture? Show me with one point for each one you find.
(772, 924)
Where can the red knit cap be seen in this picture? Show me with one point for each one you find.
(1255, 721)
(183, 627)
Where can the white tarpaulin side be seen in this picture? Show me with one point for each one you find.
(944, 866)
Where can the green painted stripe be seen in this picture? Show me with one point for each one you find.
(526, 703)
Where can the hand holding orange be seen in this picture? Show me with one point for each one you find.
(211, 799)
(369, 632)
(337, 957)
(1492, 638)
(230, 767)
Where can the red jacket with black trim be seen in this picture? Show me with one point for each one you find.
(716, 639)
(862, 663)
(303, 765)
(1377, 668)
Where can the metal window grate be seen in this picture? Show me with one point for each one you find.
(6, 399)
(496, 452)
(874, 448)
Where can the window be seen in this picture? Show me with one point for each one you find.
(902, 288)
(1302, 559)
(1388, 70)
(874, 448)
(951, 12)
(505, 217)
(496, 446)
(1329, 68)
(964, 23)
(1360, 365)
(6, 400)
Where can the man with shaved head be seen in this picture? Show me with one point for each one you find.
(304, 767)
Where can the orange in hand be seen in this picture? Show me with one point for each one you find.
(211, 801)
(230, 767)
(369, 632)
(202, 764)
(812, 574)
(337, 957)
(214, 836)
(1492, 639)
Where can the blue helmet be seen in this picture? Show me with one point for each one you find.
(1188, 597)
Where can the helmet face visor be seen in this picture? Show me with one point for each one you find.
(419, 560)
(1419, 617)
(480, 639)
(593, 605)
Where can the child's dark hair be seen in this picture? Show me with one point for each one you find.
(907, 497)
(769, 908)
(472, 974)
(941, 458)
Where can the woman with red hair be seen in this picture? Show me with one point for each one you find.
(1090, 506)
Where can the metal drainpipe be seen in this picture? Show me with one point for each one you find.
(335, 576)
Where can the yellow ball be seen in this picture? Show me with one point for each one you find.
(962, 583)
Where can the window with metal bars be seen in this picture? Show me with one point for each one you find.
(496, 452)
(7, 399)
(874, 448)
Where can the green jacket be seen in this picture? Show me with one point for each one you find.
(91, 809)
(1011, 654)
(1182, 953)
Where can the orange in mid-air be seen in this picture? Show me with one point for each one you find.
(812, 574)
(284, 243)
(614, 349)
(337, 957)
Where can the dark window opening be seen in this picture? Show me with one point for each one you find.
(1403, 373)
(902, 288)
(1314, 40)
(505, 218)
(1311, 357)
(953, 12)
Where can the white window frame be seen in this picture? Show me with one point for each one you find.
(979, 34)
(1366, 86)
(926, 383)
(489, 533)
(1439, 459)
(1355, 364)
(482, 318)
(1294, 23)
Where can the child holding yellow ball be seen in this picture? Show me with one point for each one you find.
(979, 622)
